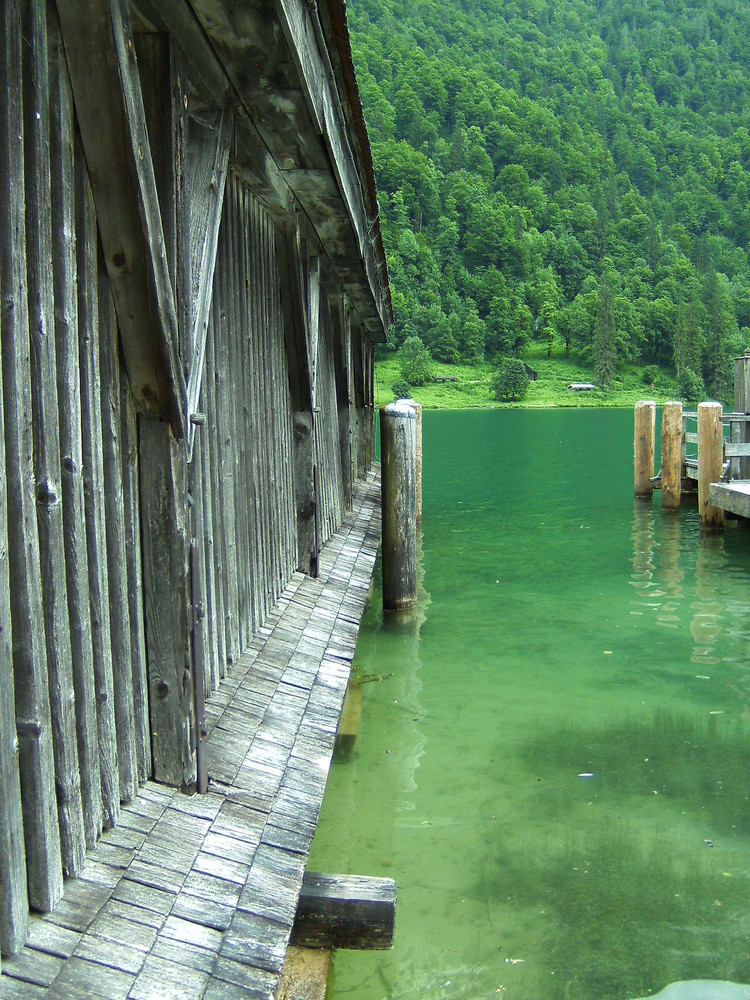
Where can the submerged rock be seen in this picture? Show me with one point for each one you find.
(702, 989)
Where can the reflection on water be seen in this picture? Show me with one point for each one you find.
(554, 767)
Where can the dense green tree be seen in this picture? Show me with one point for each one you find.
(524, 149)
(510, 381)
(604, 347)
(415, 362)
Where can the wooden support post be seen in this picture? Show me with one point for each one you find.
(645, 430)
(345, 911)
(398, 445)
(710, 455)
(418, 459)
(671, 455)
(109, 108)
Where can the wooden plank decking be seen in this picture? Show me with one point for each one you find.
(195, 896)
(733, 496)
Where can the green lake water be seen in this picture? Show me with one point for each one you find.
(555, 765)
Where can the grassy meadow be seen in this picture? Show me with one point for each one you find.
(473, 381)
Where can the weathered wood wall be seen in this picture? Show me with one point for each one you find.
(137, 563)
(74, 650)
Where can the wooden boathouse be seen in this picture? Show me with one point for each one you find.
(193, 279)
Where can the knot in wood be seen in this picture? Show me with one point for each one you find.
(46, 494)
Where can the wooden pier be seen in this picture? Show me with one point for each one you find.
(196, 896)
(704, 452)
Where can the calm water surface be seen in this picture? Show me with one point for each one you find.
(555, 764)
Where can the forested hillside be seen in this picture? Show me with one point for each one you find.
(570, 171)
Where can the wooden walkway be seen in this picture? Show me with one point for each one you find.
(733, 496)
(195, 896)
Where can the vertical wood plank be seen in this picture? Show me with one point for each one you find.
(259, 510)
(117, 567)
(166, 581)
(14, 903)
(226, 443)
(33, 723)
(236, 323)
(132, 526)
(48, 490)
(270, 449)
(93, 488)
(71, 445)
(206, 497)
(251, 409)
(198, 565)
(212, 435)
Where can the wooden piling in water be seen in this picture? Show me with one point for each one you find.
(671, 455)
(710, 454)
(418, 459)
(645, 430)
(398, 446)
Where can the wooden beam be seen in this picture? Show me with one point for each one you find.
(109, 106)
(208, 191)
(345, 911)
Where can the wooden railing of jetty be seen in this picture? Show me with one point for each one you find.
(713, 459)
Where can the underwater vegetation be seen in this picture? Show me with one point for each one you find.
(700, 765)
(613, 911)
(620, 900)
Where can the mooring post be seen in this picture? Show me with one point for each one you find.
(417, 407)
(398, 441)
(645, 430)
(671, 455)
(710, 455)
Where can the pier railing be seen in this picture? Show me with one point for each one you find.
(705, 451)
(736, 447)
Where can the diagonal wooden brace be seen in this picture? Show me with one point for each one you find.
(100, 52)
